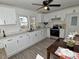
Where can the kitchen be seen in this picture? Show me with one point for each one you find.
(22, 28)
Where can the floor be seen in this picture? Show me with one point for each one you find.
(39, 48)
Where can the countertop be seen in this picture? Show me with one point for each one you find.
(19, 32)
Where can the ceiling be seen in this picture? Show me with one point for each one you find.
(27, 4)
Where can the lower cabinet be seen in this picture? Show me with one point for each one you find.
(20, 42)
(23, 41)
(48, 32)
(43, 34)
(62, 33)
(11, 46)
(39, 35)
(32, 38)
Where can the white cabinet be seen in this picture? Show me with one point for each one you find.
(62, 35)
(27, 40)
(7, 16)
(1, 21)
(22, 41)
(48, 32)
(39, 35)
(35, 40)
(11, 46)
(31, 38)
(10, 16)
(43, 35)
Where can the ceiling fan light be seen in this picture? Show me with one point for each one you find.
(45, 7)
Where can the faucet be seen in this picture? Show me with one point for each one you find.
(4, 34)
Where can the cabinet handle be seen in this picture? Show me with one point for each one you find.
(10, 40)
(5, 45)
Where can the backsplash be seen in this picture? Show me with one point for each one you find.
(9, 29)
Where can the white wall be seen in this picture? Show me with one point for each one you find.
(63, 13)
(19, 11)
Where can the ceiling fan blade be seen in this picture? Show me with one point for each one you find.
(40, 8)
(37, 4)
(55, 5)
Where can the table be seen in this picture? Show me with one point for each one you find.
(59, 42)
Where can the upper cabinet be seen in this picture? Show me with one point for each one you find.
(7, 16)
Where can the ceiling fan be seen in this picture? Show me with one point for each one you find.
(46, 4)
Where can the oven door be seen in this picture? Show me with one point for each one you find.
(54, 32)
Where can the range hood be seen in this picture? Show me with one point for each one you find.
(56, 18)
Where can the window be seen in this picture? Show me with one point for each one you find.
(74, 20)
(23, 20)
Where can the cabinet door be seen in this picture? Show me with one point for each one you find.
(31, 37)
(11, 46)
(22, 42)
(1, 21)
(45, 33)
(42, 34)
(61, 33)
(1, 16)
(28, 40)
(34, 37)
(9, 16)
(39, 35)
(48, 32)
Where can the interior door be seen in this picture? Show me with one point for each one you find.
(72, 23)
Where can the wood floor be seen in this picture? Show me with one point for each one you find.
(39, 48)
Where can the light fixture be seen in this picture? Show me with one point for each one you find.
(45, 7)
(48, 8)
